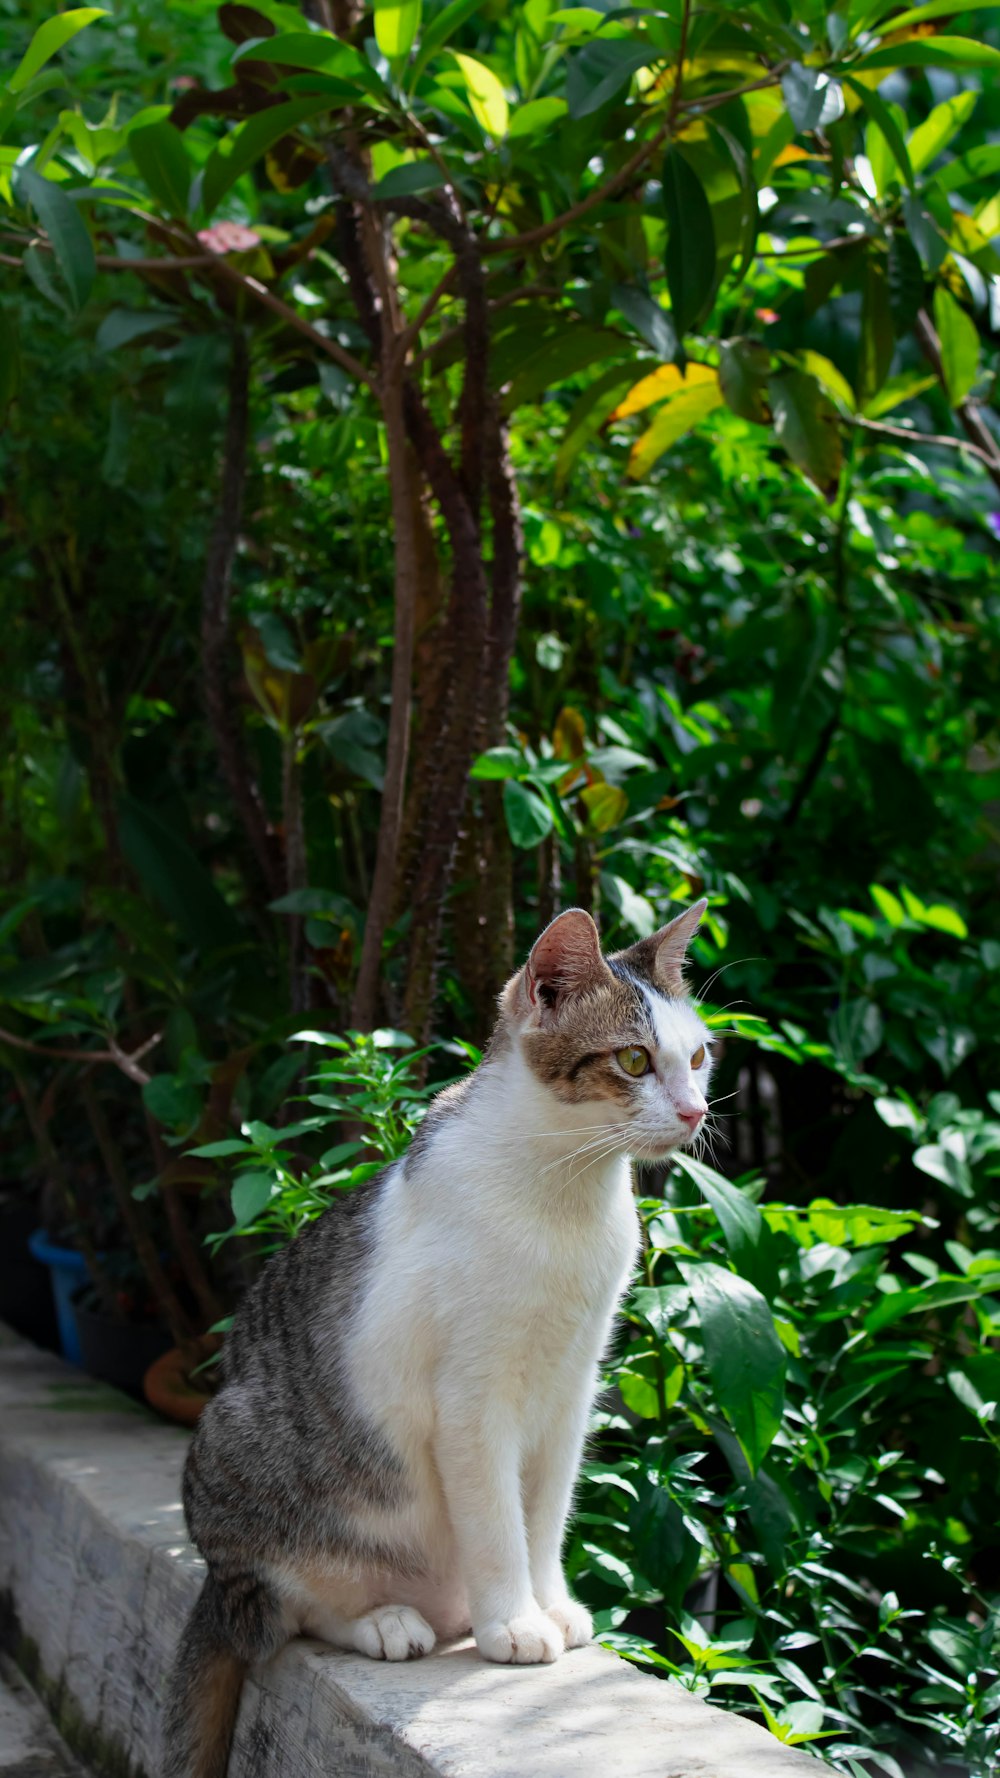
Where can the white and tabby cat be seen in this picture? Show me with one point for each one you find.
(391, 1458)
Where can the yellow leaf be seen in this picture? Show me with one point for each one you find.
(660, 384)
(674, 419)
(792, 153)
(486, 96)
(606, 805)
(569, 737)
(972, 237)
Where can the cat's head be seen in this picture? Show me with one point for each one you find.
(616, 1034)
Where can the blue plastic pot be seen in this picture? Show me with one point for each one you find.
(67, 1270)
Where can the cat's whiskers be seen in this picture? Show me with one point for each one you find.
(605, 1131)
(593, 1161)
(700, 997)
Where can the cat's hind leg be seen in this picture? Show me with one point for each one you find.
(358, 1614)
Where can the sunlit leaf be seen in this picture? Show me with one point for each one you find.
(959, 340)
(667, 381)
(676, 417)
(396, 25)
(486, 96)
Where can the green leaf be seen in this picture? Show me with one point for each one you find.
(944, 919)
(211, 1151)
(959, 345)
(40, 268)
(159, 153)
(882, 117)
(806, 425)
(251, 1193)
(396, 25)
(537, 115)
(120, 326)
(486, 95)
(438, 31)
(499, 762)
(529, 818)
(877, 336)
(929, 138)
(48, 39)
(982, 162)
(814, 101)
(745, 1358)
(904, 387)
(653, 325)
(602, 72)
(66, 230)
(575, 348)
(833, 380)
(172, 1101)
(936, 9)
(933, 52)
(905, 276)
(660, 1305)
(889, 905)
(676, 416)
(237, 152)
(742, 1225)
(318, 51)
(690, 251)
(590, 411)
(924, 232)
(410, 179)
(744, 367)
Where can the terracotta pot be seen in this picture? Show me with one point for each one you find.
(168, 1388)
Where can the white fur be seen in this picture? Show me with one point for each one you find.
(501, 1249)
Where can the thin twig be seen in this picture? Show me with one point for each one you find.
(253, 287)
(129, 1064)
(926, 438)
(675, 97)
(533, 237)
(413, 328)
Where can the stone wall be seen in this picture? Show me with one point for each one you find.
(96, 1576)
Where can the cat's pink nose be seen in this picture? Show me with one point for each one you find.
(691, 1118)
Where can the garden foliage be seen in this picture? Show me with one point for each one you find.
(661, 343)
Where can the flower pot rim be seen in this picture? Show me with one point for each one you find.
(66, 1259)
(167, 1389)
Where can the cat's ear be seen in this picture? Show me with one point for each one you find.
(565, 960)
(661, 957)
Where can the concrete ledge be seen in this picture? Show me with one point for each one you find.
(96, 1576)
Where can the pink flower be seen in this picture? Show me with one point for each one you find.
(228, 237)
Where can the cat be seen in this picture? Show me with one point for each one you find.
(391, 1457)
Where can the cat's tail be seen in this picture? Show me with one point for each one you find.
(234, 1624)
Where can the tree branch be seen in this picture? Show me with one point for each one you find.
(534, 237)
(973, 424)
(216, 641)
(910, 436)
(128, 1064)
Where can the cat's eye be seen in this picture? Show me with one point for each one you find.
(698, 1057)
(634, 1060)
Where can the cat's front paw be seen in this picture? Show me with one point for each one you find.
(524, 1640)
(573, 1620)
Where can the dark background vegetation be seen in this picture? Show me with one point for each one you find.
(351, 629)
